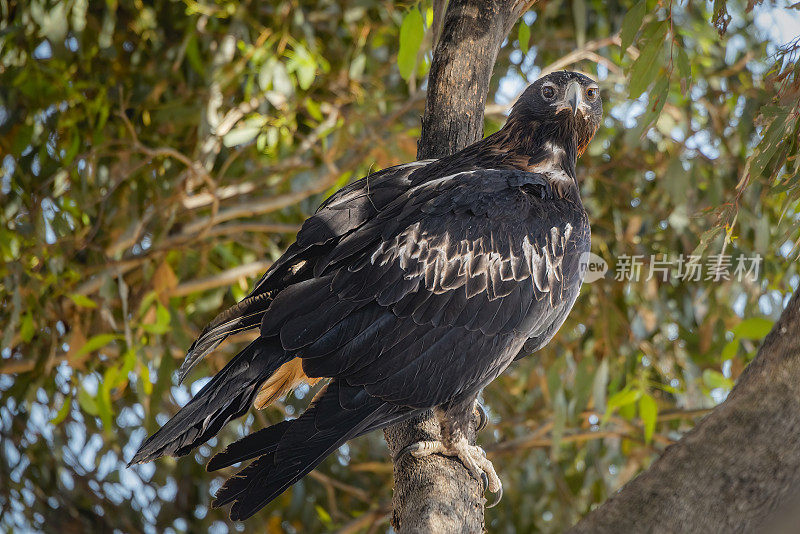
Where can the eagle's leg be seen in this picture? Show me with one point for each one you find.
(453, 422)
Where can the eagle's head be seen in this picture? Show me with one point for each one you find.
(562, 104)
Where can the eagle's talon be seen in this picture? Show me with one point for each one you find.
(419, 449)
(472, 457)
(408, 449)
(483, 419)
(496, 500)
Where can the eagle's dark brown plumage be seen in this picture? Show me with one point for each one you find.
(410, 289)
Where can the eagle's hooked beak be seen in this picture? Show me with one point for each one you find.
(573, 96)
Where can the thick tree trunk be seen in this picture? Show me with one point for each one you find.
(738, 470)
(437, 494)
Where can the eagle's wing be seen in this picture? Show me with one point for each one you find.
(344, 211)
(261, 364)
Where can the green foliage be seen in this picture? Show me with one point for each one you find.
(753, 328)
(524, 37)
(631, 24)
(647, 64)
(157, 156)
(412, 31)
(648, 412)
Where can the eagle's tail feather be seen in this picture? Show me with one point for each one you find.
(296, 447)
(244, 315)
(267, 439)
(227, 396)
(250, 446)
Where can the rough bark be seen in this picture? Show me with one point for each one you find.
(738, 470)
(437, 494)
(458, 82)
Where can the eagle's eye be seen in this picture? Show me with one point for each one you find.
(548, 92)
(591, 94)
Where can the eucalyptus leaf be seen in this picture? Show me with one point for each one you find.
(631, 24)
(241, 135)
(524, 37)
(648, 412)
(644, 69)
(753, 328)
(412, 31)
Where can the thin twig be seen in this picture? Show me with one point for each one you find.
(380, 515)
(224, 278)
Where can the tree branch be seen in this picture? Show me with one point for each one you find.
(738, 469)
(225, 278)
(437, 494)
